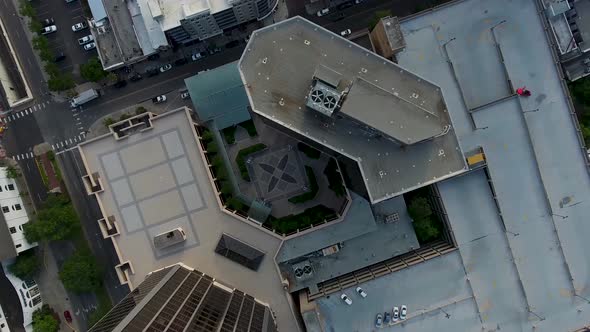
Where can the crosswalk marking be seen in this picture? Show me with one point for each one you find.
(27, 111)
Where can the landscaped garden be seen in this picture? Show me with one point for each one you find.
(316, 215)
(313, 188)
(241, 158)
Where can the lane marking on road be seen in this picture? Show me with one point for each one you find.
(52, 147)
(70, 141)
(81, 128)
(18, 157)
(31, 155)
(18, 115)
(34, 107)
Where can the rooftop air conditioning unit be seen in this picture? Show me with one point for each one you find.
(302, 270)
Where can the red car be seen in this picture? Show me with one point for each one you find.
(68, 316)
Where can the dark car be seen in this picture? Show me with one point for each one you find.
(59, 57)
(345, 5)
(232, 44)
(68, 316)
(180, 61)
(120, 84)
(214, 51)
(337, 17)
(136, 77)
(155, 56)
(152, 72)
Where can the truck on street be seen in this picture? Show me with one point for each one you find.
(84, 97)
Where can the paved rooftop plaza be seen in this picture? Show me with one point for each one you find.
(155, 181)
(530, 273)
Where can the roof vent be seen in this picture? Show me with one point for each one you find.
(302, 270)
(317, 96)
(330, 102)
(323, 98)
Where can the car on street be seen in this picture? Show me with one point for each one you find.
(387, 318)
(379, 320)
(79, 26)
(90, 46)
(323, 12)
(214, 51)
(85, 39)
(395, 316)
(165, 67)
(346, 299)
(136, 77)
(184, 95)
(60, 56)
(152, 71)
(48, 29)
(120, 84)
(48, 21)
(197, 56)
(403, 313)
(70, 1)
(345, 33)
(68, 316)
(361, 292)
(337, 17)
(159, 99)
(345, 5)
(180, 62)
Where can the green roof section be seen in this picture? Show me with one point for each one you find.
(219, 95)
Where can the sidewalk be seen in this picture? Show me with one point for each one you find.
(52, 290)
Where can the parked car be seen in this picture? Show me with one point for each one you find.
(59, 57)
(232, 44)
(403, 313)
(120, 84)
(346, 299)
(387, 318)
(152, 72)
(361, 292)
(184, 95)
(345, 33)
(48, 21)
(395, 315)
(337, 17)
(136, 77)
(48, 29)
(379, 320)
(85, 39)
(90, 46)
(345, 5)
(70, 1)
(159, 99)
(323, 12)
(165, 68)
(79, 26)
(197, 56)
(68, 316)
(180, 61)
(214, 51)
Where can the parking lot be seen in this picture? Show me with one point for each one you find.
(65, 40)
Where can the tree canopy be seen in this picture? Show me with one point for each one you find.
(26, 265)
(427, 227)
(56, 220)
(44, 321)
(80, 273)
(92, 70)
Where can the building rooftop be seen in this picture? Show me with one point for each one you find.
(278, 69)
(7, 249)
(172, 11)
(219, 95)
(97, 9)
(154, 181)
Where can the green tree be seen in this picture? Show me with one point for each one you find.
(378, 15)
(586, 133)
(35, 26)
(108, 121)
(12, 172)
(61, 82)
(44, 321)
(26, 9)
(426, 226)
(419, 209)
(26, 266)
(580, 89)
(140, 110)
(426, 230)
(92, 70)
(80, 273)
(40, 42)
(56, 220)
(51, 69)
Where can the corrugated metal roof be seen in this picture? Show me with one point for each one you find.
(219, 95)
(97, 8)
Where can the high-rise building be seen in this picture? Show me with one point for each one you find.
(179, 298)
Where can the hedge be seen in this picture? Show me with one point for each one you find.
(312, 216)
(229, 134)
(241, 159)
(313, 186)
(250, 128)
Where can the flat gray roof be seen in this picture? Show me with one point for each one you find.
(278, 67)
(541, 263)
(7, 249)
(156, 180)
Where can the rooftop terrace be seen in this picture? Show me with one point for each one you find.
(394, 123)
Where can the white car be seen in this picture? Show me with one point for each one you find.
(197, 56)
(323, 12)
(379, 321)
(79, 26)
(345, 33)
(403, 312)
(361, 292)
(159, 99)
(48, 29)
(90, 46)
(346, 299)
(395, 314)
(85, 40)
(165, 67)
